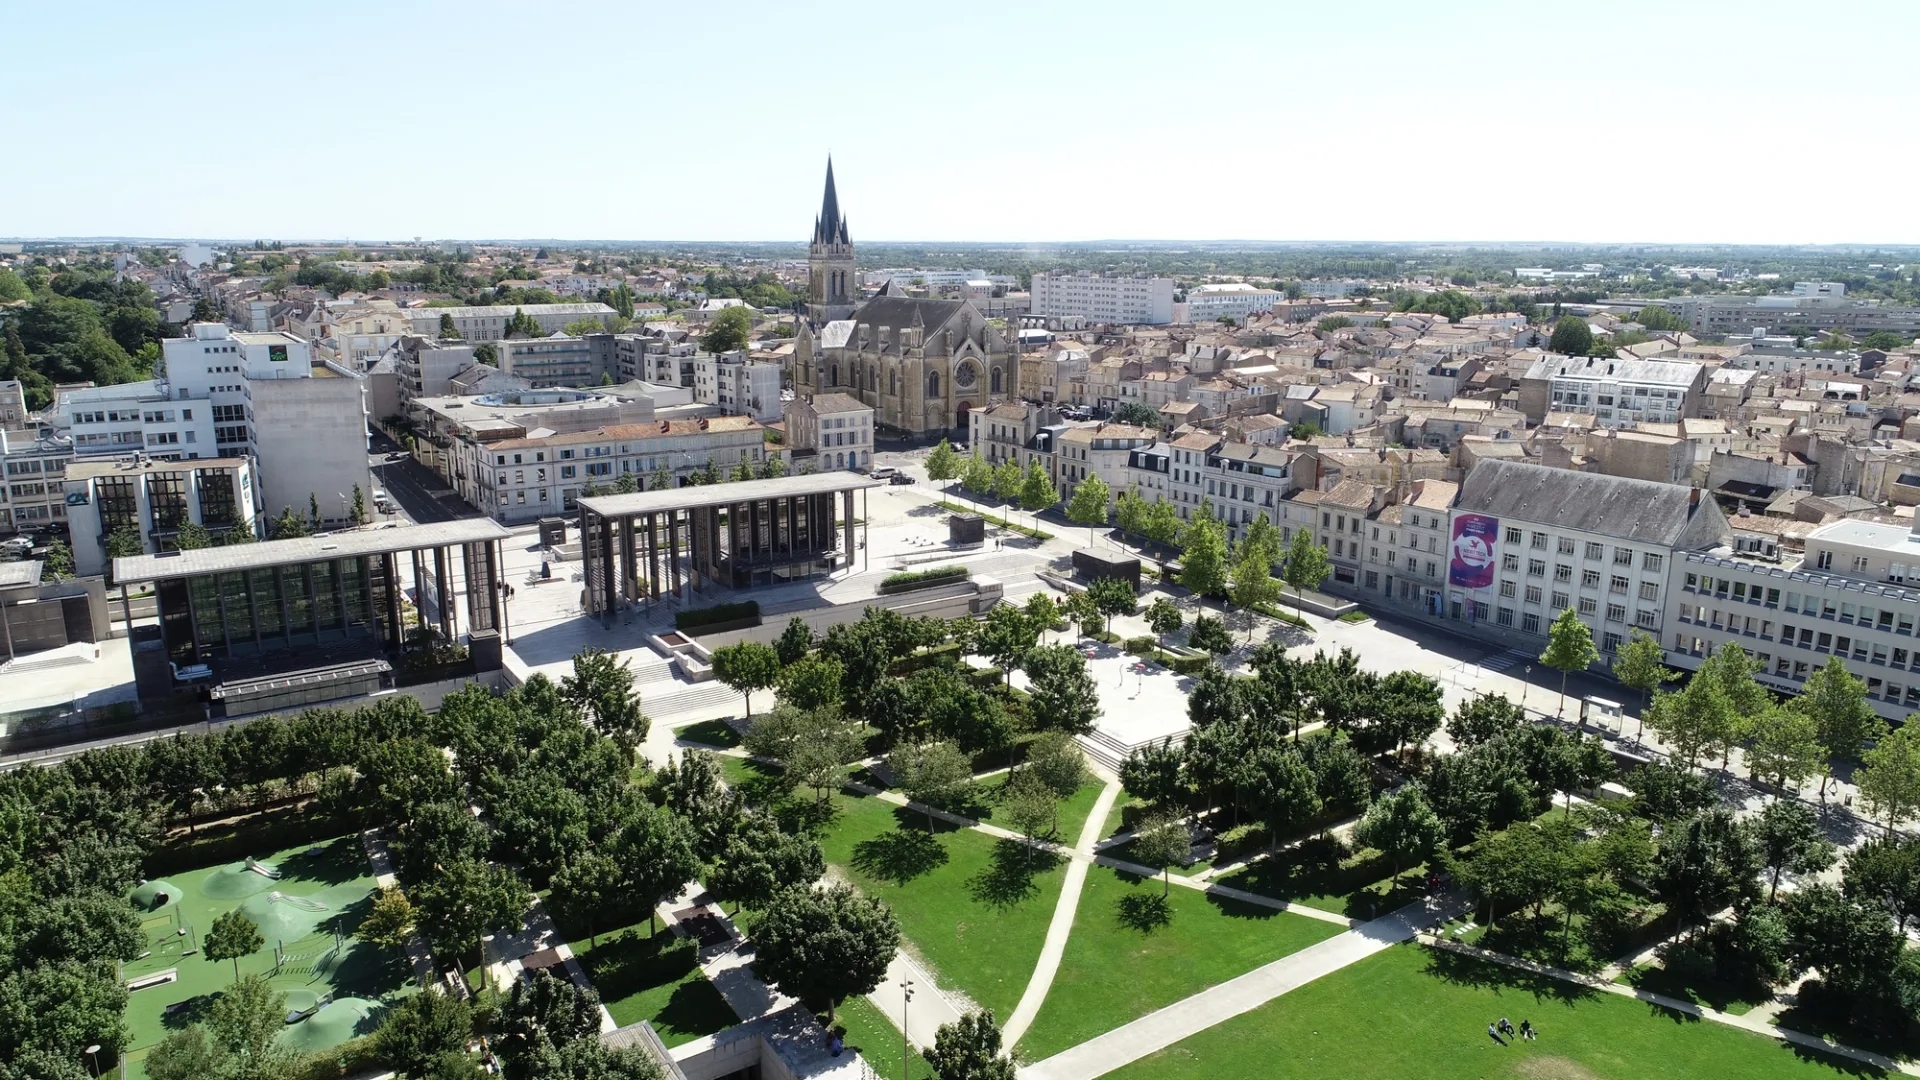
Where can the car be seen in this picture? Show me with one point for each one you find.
(16, 545)
(899, 478)
(884, 472)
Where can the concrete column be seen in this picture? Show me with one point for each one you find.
(846, 500)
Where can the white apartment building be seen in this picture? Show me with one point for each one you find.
(1854, 594)
(934, 279)
(229, 393)
(1103, 298)
(1618, 393)
(737, 386)
(154, 498)
(1528, 542)
(34, 493)
(1241, 480)
(1103, 450)
(1819, 288)
(489, 322)
(835, 429)
(1232, 300)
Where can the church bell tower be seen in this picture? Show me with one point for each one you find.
(830, 283)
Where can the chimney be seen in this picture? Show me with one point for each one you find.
(1693, 499)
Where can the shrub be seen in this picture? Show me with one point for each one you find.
(939, 656)
(1190, 665)
(987, 677)
(747, 611)
(1140, 646)
(908, 580)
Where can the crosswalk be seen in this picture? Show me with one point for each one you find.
(1506, 661)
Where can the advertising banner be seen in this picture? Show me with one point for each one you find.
(277, 353)
(1474, 537)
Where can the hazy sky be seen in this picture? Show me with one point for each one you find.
(1676, 121)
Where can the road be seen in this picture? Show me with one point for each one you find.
(412, 487)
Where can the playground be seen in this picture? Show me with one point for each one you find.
(307, 902)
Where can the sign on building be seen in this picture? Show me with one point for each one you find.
(1474, 538)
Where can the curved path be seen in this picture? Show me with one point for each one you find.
(1062, 925)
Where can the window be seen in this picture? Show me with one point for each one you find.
(1562, 572)
(1538, 541)
(1823, 561)
(1652, 561)
(1646, 618)
(1623, 556)
(1536, 568)
(1649, 590)
(1616, 613)
(1617, 584)
(1505, 617)
(1609, 642)
(1509, 561)
(1590, 579)
(1588, 605)
(1530, 623)
(1559, 601)
(1565, 546)
(1533, 594)
(1513, 536)
(1593, 550)
(1507, 589)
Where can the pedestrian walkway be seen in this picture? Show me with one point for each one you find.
(928, 1011)
(1063, 914)
(1158, 1030)
(727, 964)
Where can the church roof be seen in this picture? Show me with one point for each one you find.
(904, 311)
(830, 227)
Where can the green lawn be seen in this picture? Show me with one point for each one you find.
(643, 975)
(975, 907)
(1708, 993)
(1322, 874)
(877, 1040)
(1121, 963)
(1073, 810)
(1411, 1013)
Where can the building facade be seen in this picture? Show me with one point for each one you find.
(829, 431)
(1103, 298)
(1233, 300)
(153, 499)
(489, 322)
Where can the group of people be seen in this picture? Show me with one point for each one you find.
(1496, 1031)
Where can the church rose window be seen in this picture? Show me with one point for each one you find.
(964, 377)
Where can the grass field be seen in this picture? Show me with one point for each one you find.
(1411, 1013)
(323, 887)
(877, 1040)
(654, 976)
(1122, 963)
(975, 907)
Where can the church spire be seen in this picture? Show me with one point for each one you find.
(830, 227)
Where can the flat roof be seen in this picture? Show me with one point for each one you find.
(646, 502)
(135, 569)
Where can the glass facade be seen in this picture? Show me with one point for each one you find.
(220, 616)
(119, 503)
(167, 499)
(218, 506)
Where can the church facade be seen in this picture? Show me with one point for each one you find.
(921, 365)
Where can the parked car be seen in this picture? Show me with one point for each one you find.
(884, 472)
(899, 478)
(16, 545)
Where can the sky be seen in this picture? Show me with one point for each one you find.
(1681, 121)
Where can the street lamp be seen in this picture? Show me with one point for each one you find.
(1526, 684)
(906, 1049)
(92, 1062)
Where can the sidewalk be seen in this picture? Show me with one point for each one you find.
(1190, 1016)
(930, 1008)
(1063, 915)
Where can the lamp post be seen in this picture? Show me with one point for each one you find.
(906, 1048)
(1526, 684)
(93, 1063)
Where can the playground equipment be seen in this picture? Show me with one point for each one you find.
(301, 902)
(158, 978)
(263, 869)
(294, 1016)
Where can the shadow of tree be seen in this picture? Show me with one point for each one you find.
(1484, 974)
(806, 816)
(1145, 912)
(909, 820)
(1837, 1015)
(900, 856)
(329, 864)
(190, 1011)
(1009, 878)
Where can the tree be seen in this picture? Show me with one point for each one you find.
(1162, 842)
(602, 687)
(231, 937)
(1403, 827)
(204, 311)
(289, 525)
(1307, 563)
(1571, 337)
(1483, 718)
(746, 667)
(825, 944)
(1886, 871)
(1408, 708)
(466, 900)
(1160, 523)
(795, 642)
(542, 1013)
(1707, 863)
(1056, 760)
(1089, 504)
(1113, 596)
(1155, 774)
(1284, 791)
(1028, 806)
(761, 862)
(359, 506)
(1855, 948)
(1889, 777)
(1203, 553)
(1209, 635)
(1569, 649)
(124, 542)
(448, 331)
(1042, 612)
(1061, 693)
(192, 536)
(1129, 511)
(1786, 746)
(313, 509)
(729, 331)
(1139, 414)
(977, 477)
(422, 1027)
(943, 464)
(1844, 721)
(1304, 430)
(1253, 584)
(245, 1023)
(585, 887)
(1008, 477)
(389, 922)
(1787, 834)
(1641, 664)
(812, 682)
(1006, 637)
(58, 561)
(184, 1054)
(969, 1049)
(1080, 610)
(522, 325)
(934, 774)
(1163, 618)
(1036, 491)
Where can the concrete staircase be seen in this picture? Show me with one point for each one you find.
(47, 661)
(671, 698)
(1111, 752)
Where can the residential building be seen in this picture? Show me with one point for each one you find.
(832, 431)
(1812, 314)
(1615, 392)
(737, 386)
(1529, 542)
(560, 360)
(1114, 299)
(489, 323)
(1234, 300)
(33, 496)
(1103, 450)
(153, 499)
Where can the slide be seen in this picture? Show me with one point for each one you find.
(263, 869)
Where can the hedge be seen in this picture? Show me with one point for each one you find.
(1141, 646)
(987, 677)
(908, 580)
(939, 656)
(747, 612)
(1190, 665)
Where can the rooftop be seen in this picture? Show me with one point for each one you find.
(135, 569)
(740, 491)
(87, 470)
(1616, 506)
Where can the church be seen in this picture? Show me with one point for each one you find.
(921, 365)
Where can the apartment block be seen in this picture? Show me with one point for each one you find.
(1616, 393)
(1103, 298)
(489, 322)
(830, 431)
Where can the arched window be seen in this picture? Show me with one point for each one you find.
(835, 379)
(996, 380)
(933, 384)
